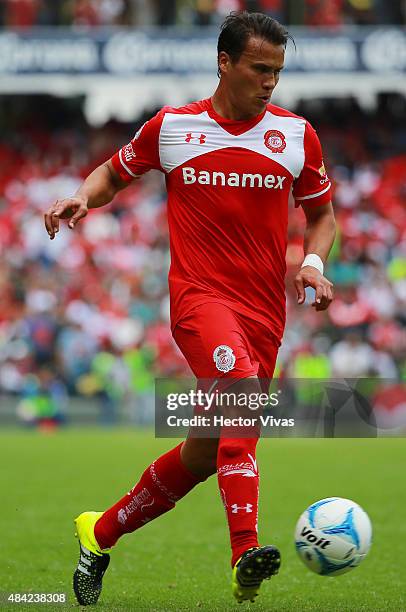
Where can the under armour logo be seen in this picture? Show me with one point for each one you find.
(190, 137)
(235, 508)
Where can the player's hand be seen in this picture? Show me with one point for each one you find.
(311, 277)
(74, 209)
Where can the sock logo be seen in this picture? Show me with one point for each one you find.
(151, 503)
(246, 469)
(122, 516)
(236, 507)
(254, 464)
(239, 468)
(171, 496)
(224, 358)
(139, 501)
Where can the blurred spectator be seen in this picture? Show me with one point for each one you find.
(324, 12)
(76, 350)
(351, 357)
(389, 11)
(86, 12)
(53, 12)
(349, 310)
(273, 8)
(21, 13)
(43, 400)
(165, 12)
(101, 12)
(361, 12)
(204, 12)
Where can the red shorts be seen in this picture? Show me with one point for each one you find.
(219, 343)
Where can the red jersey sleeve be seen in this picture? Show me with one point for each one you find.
(312, 187)
(142, 152)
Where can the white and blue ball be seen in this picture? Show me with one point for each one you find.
(333, 536)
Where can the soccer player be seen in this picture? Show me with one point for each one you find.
(230, 163)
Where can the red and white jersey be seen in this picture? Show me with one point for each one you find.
(228, 186)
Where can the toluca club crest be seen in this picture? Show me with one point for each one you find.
(224, 358)
(275, 141)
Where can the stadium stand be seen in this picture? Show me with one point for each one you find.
(87, 314)
(333, 13)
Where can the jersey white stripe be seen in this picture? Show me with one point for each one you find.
(183, 138)
(125, 166)
(314, 195)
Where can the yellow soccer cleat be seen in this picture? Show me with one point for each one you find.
(93, 562)
(254, 566)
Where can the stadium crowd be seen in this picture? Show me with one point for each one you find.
(333, 13)
(87, 314)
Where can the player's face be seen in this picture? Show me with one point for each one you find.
(251, 81)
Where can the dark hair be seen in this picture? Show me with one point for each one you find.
(238, 26)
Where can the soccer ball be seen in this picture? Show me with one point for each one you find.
(333, 536)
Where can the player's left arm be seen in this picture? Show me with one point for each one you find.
(318, 240)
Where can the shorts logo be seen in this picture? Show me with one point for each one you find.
(275, 141)
(224, 358)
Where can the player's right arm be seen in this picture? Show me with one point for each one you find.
(98, 189)
(140, 155)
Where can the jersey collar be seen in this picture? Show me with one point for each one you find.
(233, 126)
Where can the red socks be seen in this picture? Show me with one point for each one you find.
(238, 481)
(162, 484)
(167, 480)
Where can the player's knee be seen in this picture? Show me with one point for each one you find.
(200, 456)
(204, 467)
(232, 449)
(210, 465)
(209, 460)
(240, 397)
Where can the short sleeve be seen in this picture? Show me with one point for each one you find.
(312, 187)
(142, 152)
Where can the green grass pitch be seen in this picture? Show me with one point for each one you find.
(181, 560)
